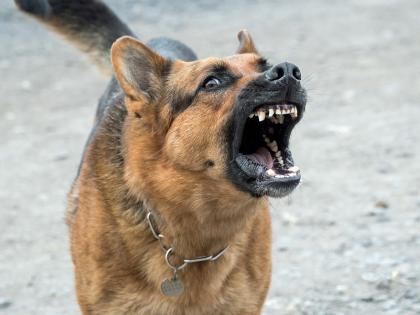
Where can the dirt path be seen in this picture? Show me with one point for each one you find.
(347, 242)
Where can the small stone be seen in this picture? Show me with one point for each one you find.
(4, 304)
(60, 157)
(368, 299)
(282, 249)
(384, 284)
(382, 204)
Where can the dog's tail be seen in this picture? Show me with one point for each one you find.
(89, 24)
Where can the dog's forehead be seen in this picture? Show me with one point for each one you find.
(243, 62)
(240, 64)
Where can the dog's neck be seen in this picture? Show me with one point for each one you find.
(169, 251)
(191, 235)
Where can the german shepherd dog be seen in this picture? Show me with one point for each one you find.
(168, 214)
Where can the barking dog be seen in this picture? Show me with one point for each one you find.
(169, 211)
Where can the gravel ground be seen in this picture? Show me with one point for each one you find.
(346, 242)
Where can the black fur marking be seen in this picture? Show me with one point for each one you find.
(263, 64)
(37, 7)
(138, 70)
(167, 68)
(181, 101)
(222, 73)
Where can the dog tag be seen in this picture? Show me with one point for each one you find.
(172, 287)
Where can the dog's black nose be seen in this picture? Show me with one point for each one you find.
(283, 70)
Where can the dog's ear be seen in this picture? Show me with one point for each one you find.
(246, 44)
(138, 69)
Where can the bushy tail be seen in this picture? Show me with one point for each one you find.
(89, 24)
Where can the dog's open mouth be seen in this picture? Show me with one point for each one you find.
(264, 154)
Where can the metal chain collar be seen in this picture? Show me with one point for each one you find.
(169, 250)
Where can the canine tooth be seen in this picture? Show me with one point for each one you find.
(273, 146)
(270, 172)
(278, 111)
(293, 169)
(261, 115)
(270, 112)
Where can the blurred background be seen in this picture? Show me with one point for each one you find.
(346, 242)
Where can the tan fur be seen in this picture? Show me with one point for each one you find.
(119, 266)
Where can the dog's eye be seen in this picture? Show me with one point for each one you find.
(211, 82)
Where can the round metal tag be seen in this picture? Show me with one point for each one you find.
(172, 287)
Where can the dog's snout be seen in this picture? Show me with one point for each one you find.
(283, 70)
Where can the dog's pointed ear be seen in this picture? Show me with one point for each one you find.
(138, 69)
(246, 44)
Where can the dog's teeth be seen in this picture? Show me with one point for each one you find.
(270, 172)
(261, 115)
(279, 158)
(281, 119)
(293, 169)
(273, 146)
(270, 112)
(278, 111)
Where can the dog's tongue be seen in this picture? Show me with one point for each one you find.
(262, 156)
